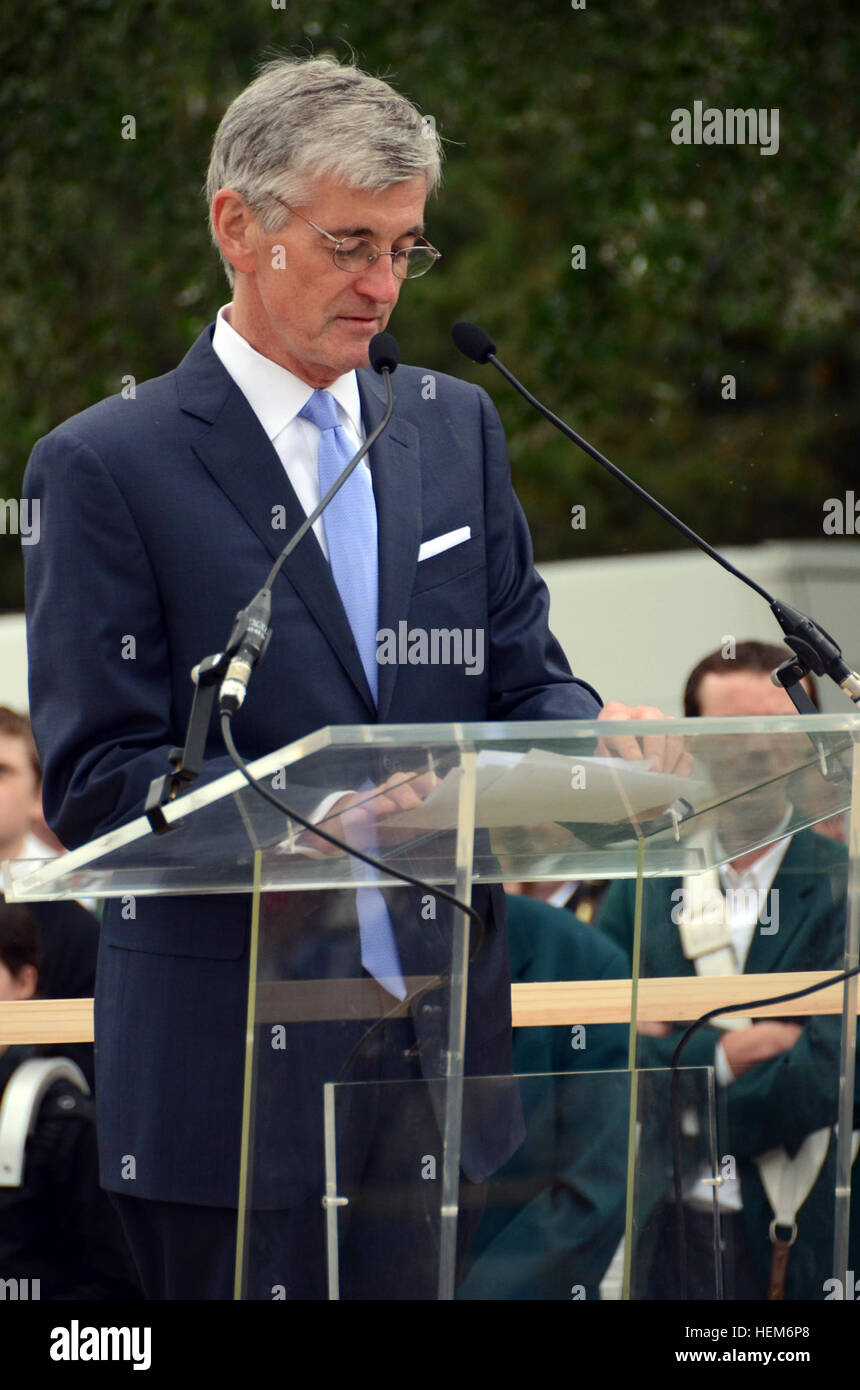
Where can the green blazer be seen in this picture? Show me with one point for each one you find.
(555, 1211)
(780, 1101)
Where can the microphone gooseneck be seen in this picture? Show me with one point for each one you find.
(252, 629)
(815, 650)
(228, 673)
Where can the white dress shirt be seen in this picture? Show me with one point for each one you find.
(746, 897)
(276, 396)
(742, 908)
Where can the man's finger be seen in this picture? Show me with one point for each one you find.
(685, 765)
(666, 751)
(620, 746)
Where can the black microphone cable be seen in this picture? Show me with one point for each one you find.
(814, 650)
(677, 1175)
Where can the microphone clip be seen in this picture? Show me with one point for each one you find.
(246, 647)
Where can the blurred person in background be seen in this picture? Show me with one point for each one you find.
(784, 909)
(69, 933)
(57, 1226)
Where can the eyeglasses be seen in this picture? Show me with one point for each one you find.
(354, 254)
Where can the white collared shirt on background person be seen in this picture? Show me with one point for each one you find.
(746, 895)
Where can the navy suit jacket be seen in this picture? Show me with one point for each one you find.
(157, 524)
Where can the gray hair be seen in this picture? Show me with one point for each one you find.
(305, 118)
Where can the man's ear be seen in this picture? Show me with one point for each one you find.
(236, 229)
(26, 982)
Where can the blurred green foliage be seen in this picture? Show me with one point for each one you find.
(700, 261)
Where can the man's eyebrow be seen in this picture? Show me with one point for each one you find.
(341, 232)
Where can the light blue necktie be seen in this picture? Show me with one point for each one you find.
(349, 522)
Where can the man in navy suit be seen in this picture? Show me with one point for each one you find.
(161, 515)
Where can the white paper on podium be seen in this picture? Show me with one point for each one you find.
(535, 787)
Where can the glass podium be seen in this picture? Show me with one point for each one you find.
(381, 1126)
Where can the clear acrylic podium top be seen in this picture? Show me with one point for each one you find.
(549, 803)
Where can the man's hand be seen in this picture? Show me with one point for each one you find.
(654, 1030)
(355, 818)
(746, 1047)
(668, 753)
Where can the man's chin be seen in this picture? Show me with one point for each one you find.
(356, 354)
(348, 347)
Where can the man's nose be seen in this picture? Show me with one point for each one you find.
(378, 280)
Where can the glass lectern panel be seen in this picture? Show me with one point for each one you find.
(553, 800)
(358, 986)
(771, 900)
(581, 1209)
(691, 899)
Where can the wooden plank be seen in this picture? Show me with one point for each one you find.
(559, 1002)
(46, 1020)
(664, 1000)
(310, 1001)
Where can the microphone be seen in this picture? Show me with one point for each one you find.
(249, 639)
(383, 352)
(473, 342)
(815, 650)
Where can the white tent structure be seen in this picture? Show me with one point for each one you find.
(635, 625)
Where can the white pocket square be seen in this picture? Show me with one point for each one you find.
(440, 543)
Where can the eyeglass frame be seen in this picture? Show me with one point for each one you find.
(339, 241)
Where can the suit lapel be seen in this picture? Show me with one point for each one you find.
(767, 950)
(240, 458)
(395, 469)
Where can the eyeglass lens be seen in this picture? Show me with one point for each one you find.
(356, 253)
